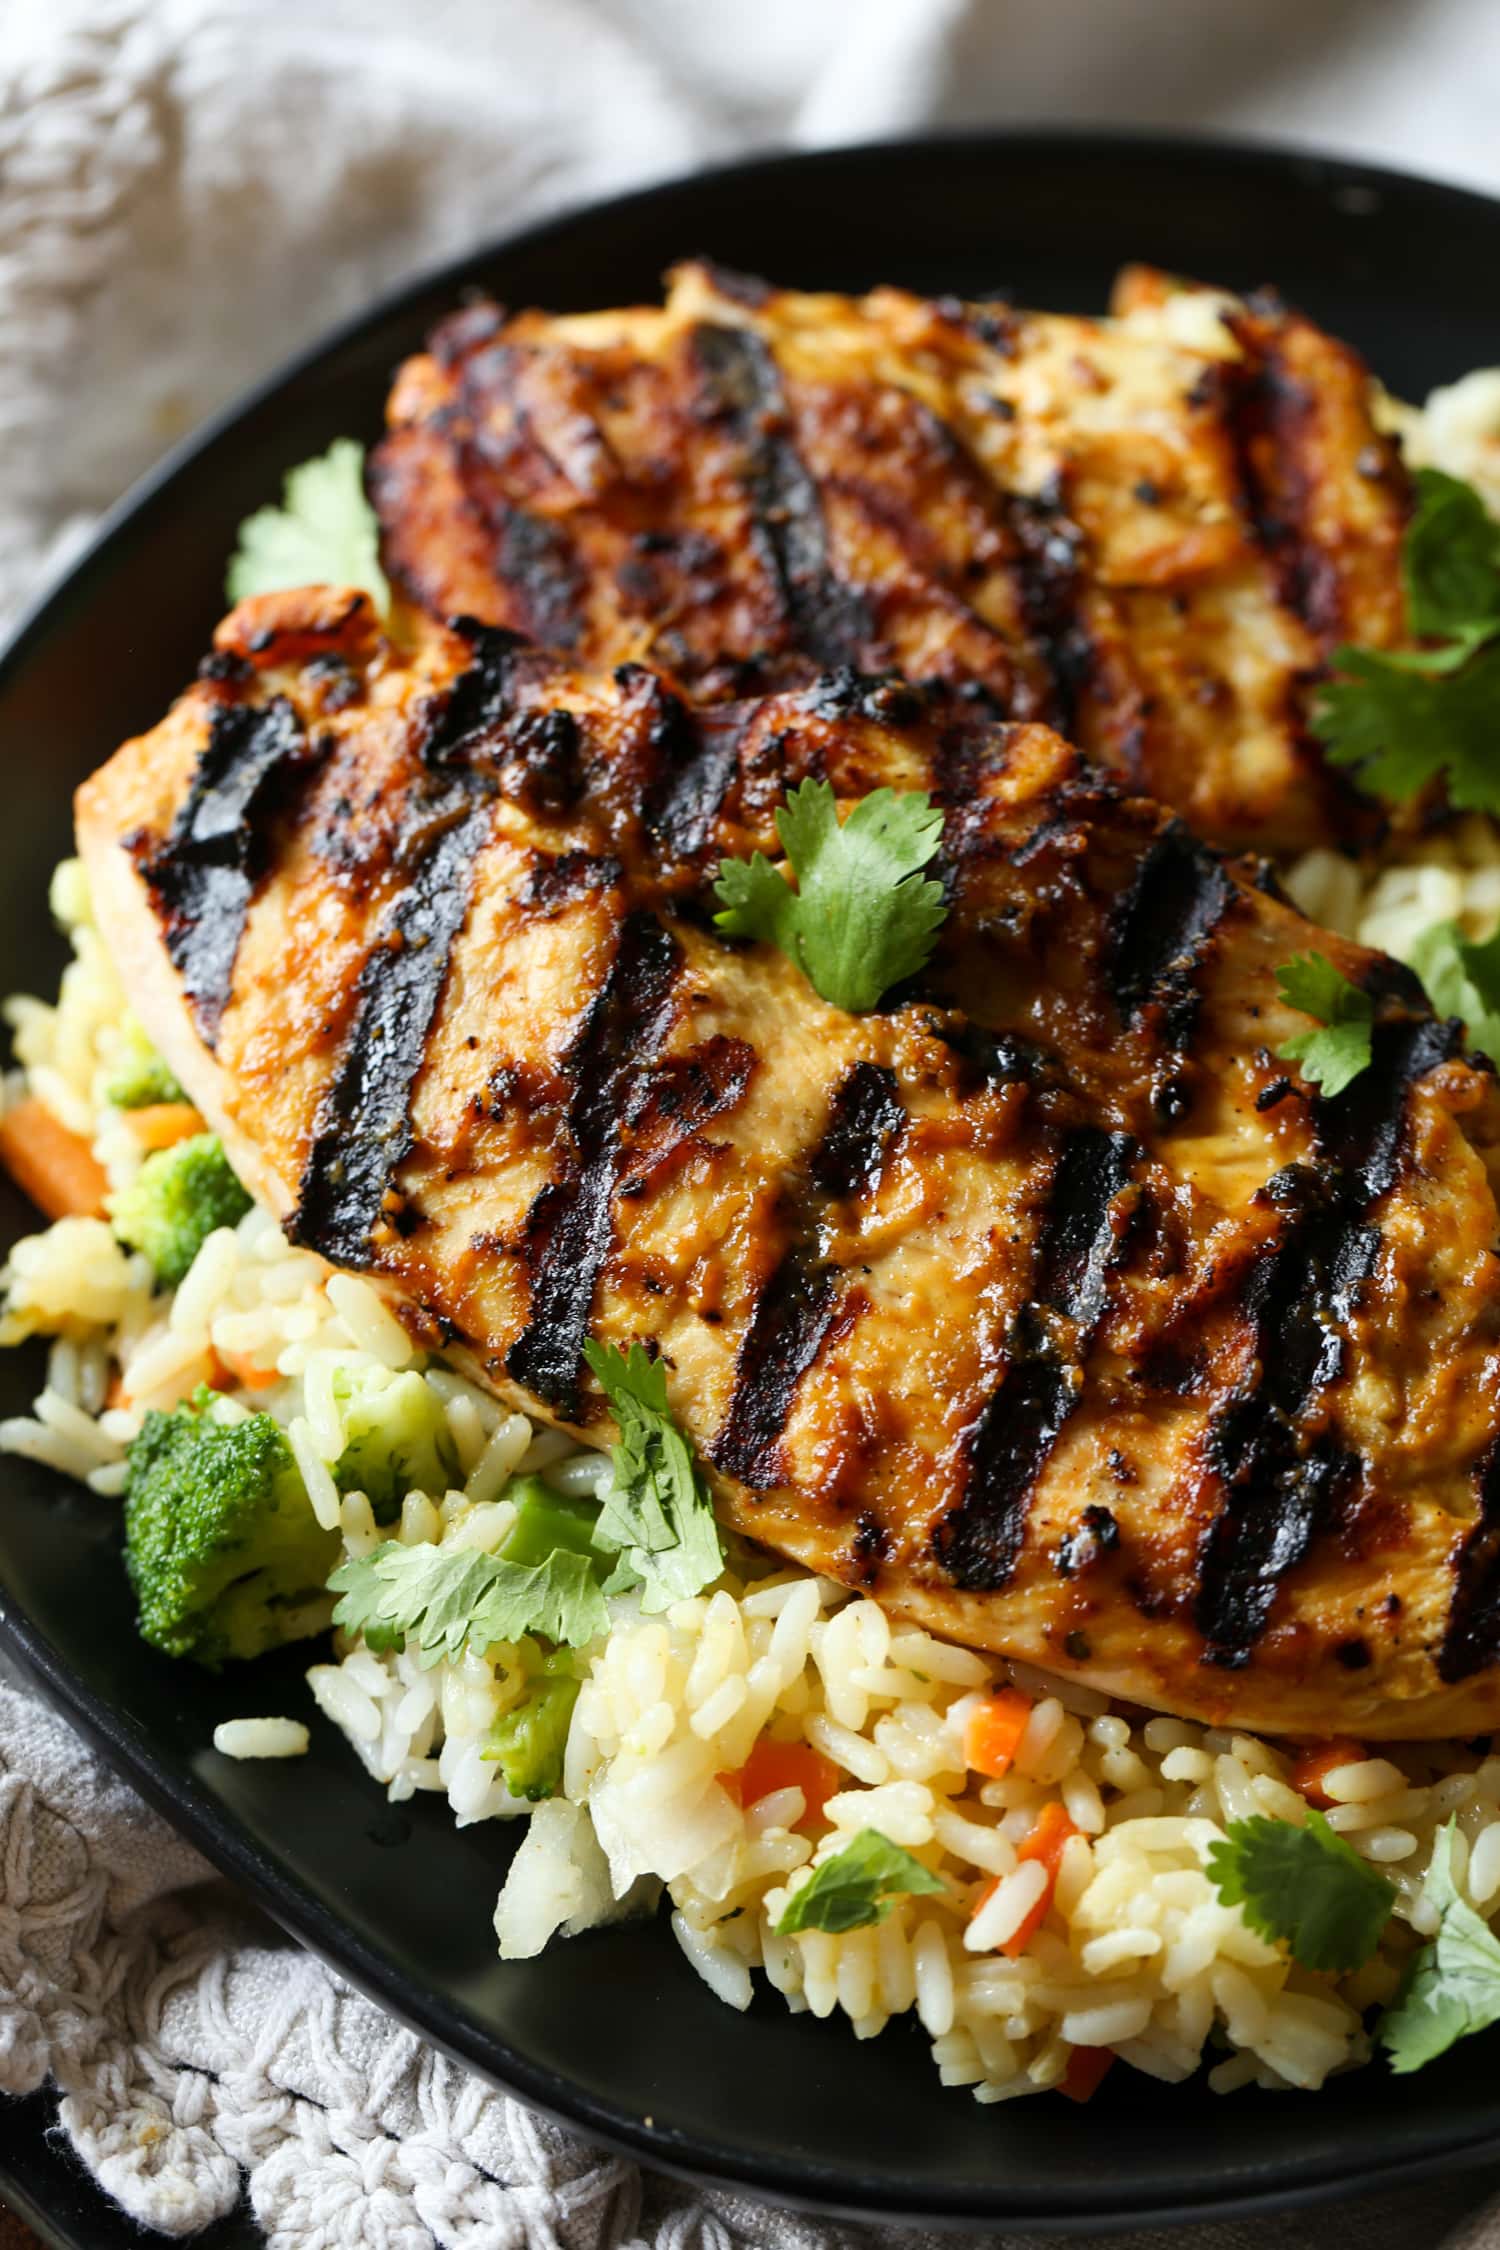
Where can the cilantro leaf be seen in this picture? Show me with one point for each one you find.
(1405, 721)
(446, 1599)
(862, 916)
(1337, 1054)
(1453, 1987)
(323, 534)
(658, 1516)
(1305, 1888)
(1405, 717)
(1462, 978)
(857, 1886)
(1450, 561)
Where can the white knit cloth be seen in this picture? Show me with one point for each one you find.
(188, 189)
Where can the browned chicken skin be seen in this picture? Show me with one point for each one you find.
(1154, 545)
(1044, 1301)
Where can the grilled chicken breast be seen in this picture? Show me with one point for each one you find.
(1151, 531)
(1043, 1301)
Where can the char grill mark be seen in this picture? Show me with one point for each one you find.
(696, 759)
(675, 1101)
(364, 1126)
(570, 1227)
(203, 877)
(827, 619)
(534, 559)
(1049, 564)
(1162, 930)
(363, 1129)
(536, 562)
(480, 700)
(1282, 1478)
(1472, 1638)
(798, 1306)
(1008, 1445)
(1270, 417)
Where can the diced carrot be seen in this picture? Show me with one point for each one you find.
(163, 1124)
(1087, 2067)
(231, 1368)
(1317, 1761)
(51, 1164)
(994, 1729)
(783, 1765)
(1047, 1842)
(1048, 1838)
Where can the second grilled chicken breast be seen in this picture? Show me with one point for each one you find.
(1150, 534)
(1044, 1300)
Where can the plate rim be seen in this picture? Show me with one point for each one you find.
(226, 1841)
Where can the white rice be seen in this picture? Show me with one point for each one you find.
(1134, 1952)
(261, 1738)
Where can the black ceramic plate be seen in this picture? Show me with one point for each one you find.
(614, 2031)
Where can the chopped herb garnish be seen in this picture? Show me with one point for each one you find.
(1405, 717)
(1304, 1888)
(658, 1515)
(1453, 1986)
(446, 1599)
(324, 533)
(859, 1885)
(1462, 977)
(1336, 1054)
(862, 917)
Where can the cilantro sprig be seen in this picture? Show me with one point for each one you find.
(1304, 1888)
(324, 533)
(862, 917)
(1333, 1056)
(446, 1599)
(1462, 978)
(1404, 717)
(658, 1516)
(1453, 1986)
(857, 1886)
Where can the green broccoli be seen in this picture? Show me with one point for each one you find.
(141, 1077)
(224, 1552)
(396, 1439)
(528, 1742)
(175, 1202)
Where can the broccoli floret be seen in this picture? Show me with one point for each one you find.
(528, 1742)
(175, 1202)
(396, 1439)
(224, 1552)
(141, 1077)
(546, 1521)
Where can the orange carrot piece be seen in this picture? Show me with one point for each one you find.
(239, 1368)
(1047, 1842)
(1048, 1838)
(1318, 1760)
(784, 1765)
(994, 1729)
(51, 1164)
(1087, 2067)
(163, 1124)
